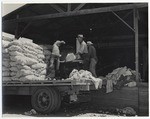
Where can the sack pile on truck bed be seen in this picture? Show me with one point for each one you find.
(120, 77)
(5, 59)
(84, 75)
(26, 61)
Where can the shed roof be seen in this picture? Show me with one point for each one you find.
(52, 21)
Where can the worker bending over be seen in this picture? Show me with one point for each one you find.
(55, 57)
(92, 57)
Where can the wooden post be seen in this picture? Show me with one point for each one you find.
(136, 44)
(17, 28)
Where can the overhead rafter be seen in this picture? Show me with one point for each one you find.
(69, 7)
(79, 7)
(56, 7)
(81, 12)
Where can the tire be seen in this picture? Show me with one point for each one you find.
(57, 99)
(43, 100)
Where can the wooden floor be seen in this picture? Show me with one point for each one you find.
(135, 97)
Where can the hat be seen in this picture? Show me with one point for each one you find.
(89, 43)
(80, 35)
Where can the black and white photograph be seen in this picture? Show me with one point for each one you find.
(75, 59)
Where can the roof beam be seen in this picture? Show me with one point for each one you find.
(68, 7)
(56, 7)
(81, 12)
(79, 7)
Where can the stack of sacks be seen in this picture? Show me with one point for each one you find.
(47, 53)
(5, 59)
(84, 75)
(120, 77)
(26, 61)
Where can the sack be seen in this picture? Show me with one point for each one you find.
(24, 72)
(5, 68)
(23, 67)
(13, 63)
(5, 73)
(31, 56)
(39, 66)
(6, 78)
(5, 44)
(15, 48)
(14, 69)
(4, 50)
(7, 39)
(5, 56)
(13, 73)
(28, 77)
(41, 56)
(43, 72)
(25, 60)
(70, 57)
(5, 63)
(15, 53)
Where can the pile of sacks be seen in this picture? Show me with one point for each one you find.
(120, 77)
(5, 59)
(84, 75)
(26, 61)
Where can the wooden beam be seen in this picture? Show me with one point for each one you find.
(68, 7)
(24, 30)
(79, 7)
(17, 28)
(136, 43)
(123, 21)
(81, 12)
(56, 7)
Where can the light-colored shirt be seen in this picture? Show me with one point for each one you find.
(55, 50)
(81, 47)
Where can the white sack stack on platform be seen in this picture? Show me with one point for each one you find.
(26, 61)
(5, 59)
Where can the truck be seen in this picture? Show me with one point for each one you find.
(47, 95)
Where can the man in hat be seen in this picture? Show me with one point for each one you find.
(92, 57)
(81, 50)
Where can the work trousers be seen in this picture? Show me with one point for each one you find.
(93, 63)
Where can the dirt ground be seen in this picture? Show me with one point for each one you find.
(18, 106)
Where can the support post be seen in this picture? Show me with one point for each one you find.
(17, 28)
(136, 43)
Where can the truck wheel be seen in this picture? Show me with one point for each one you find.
(57, 98)
(43, 100)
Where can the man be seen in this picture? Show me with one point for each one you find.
(55, 57)
(81, 50)
(92, 57)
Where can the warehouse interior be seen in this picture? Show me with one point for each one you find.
(113, 38)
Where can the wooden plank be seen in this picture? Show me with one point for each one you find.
(68, 7)
(56, 7)
(80, 12)
(79, 7)
(136, 43)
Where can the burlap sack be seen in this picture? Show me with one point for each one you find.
(14, 68)
(5, 68)
(5, 63)
(13, 63)
(5, 44)
(15, 48)
(15, 53)
(39, 65)
(6, 78)
(25, 60)
(24, 72)
(5, 73)
(13, 73)
(5, 56)
(23, 67)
